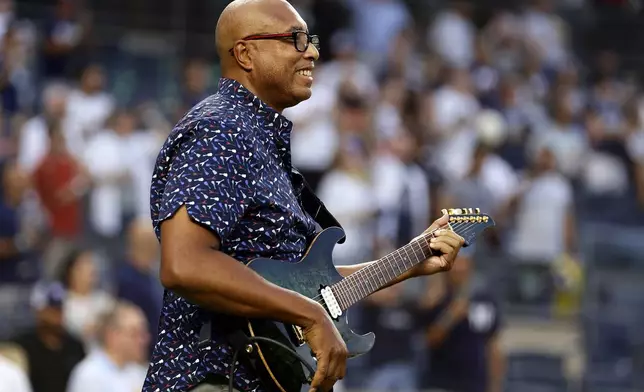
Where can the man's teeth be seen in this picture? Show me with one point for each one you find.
(305, 72)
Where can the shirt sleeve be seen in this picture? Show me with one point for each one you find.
(212, 176)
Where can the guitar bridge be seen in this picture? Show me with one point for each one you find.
(331, 302)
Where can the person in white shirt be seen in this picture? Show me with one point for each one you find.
(33, 140)
(12, 378)
(120, 160)
(117, 365)
(88, 108)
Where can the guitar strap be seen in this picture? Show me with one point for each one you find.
(311, 204)
(236, 337)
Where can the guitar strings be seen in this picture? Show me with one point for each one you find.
(319, 299)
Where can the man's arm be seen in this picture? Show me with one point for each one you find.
(445, 246)
(193, 267)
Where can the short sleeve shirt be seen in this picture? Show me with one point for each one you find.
(228, 162)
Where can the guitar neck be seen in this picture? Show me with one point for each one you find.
(378, 274)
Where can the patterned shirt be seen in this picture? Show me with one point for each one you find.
(228, 162)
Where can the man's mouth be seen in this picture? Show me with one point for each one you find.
(305, 72)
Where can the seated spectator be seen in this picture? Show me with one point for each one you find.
(13, 378)
(51, 352)
(117, 365)
(85, 301)
(137, 279)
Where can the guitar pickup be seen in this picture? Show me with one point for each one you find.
(332, 304)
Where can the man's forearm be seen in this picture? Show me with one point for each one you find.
(216, 281)
(346, 270)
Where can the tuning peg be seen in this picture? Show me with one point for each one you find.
(477, 211)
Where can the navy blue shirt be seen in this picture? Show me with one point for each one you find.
(460, 363)
(228, 162)
(144, 290)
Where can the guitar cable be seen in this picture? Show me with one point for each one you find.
(254, 339)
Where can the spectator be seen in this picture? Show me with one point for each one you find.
(51, 352)
(63, 35)
(195, 87)
(463, 329)
(389, 314)
(13, 378)
(452, 34)
(33, 139)
(353, 206)
(116, 365)
(60, 183)
(17, 264)
(85, 302)
(118, 159)
(401, 189)
(88, 108)
(137, 279)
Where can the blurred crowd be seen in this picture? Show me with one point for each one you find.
(506, 106)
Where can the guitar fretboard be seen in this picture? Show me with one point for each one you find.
(370, 279)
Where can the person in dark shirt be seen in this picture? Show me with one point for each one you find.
(51, 352)
(390, 364)
(17, 264)
(462, 333)
(223, 194)
(136, 280)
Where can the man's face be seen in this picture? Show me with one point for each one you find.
(51, 319)
(131, 336)
(282, 72)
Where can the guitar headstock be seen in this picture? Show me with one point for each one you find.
(468, 222)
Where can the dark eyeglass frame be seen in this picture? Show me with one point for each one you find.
(293, 35)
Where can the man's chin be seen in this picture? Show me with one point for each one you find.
(301, 94)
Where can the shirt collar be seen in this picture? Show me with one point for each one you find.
(276, 125)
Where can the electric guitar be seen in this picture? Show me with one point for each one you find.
(315, 276)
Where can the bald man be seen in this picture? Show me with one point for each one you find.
(223, 191)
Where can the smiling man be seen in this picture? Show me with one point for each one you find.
(223, 191)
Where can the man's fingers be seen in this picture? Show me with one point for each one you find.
(320, 373)
(442, 247)
(440, 222)
(453, 241)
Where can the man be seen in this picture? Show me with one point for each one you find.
(51, 352)
(136, 279)
(222, 192)
(115, 366)
(463, 329)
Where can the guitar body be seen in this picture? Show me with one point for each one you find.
(306, 277)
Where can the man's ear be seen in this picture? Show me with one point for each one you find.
(243, 56)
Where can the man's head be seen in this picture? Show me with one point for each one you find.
(124, 333)
(47, 300)
(264, 45)
(55, 100)
(93, 79)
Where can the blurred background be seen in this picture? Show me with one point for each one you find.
(531, 110)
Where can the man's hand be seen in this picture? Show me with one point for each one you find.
(331, 353)
(445, 244)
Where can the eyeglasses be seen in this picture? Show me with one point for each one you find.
(300, 39)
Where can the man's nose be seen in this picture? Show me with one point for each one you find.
(312, 53)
